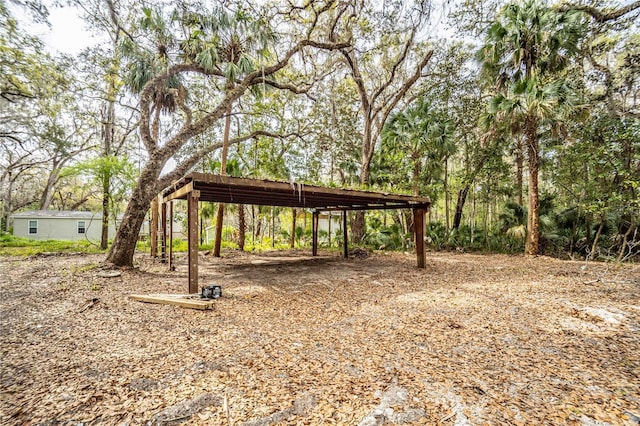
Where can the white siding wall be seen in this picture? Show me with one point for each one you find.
(54, 228)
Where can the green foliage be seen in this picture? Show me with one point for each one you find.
(16, 246)
(228, 38)
(415, 142)
(387, 238)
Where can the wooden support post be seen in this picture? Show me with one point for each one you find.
(192, 218)
(163, 217)
(153, 228)
(345, 242)
(314, 231)
(171, 267)
(418, 221)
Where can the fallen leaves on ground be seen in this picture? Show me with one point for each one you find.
(471, 339)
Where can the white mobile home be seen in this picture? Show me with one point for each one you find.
(59, 225)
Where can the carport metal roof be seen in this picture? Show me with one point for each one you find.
(225, 189)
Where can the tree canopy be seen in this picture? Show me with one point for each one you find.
(476, 104)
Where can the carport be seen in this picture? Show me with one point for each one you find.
(198, 187)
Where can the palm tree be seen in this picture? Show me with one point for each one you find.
(420, 138)
(240, 39)
(145, 63)
(422, 135)
(524, 53)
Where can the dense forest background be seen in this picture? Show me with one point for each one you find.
(519, 120)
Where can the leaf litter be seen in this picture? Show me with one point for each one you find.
(470, 340)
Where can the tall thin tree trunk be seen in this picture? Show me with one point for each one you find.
(358, 221)
(594, 247)
(223, 171)
(415, 159)
(7, 205)
(273, 226)
(106, 194)
(108, 135)
(587, 216)
(292, 238)
(47, 195)
(625, 238)
(462, 198)
(532, 245)
(446, 194)
(472, 219)
(253, 225)
(519, 171)
(259, 225)
(241, 227)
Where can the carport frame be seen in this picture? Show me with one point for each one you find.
(198, 187)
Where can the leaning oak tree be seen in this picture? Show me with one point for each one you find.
(385, 64)
(184, 50)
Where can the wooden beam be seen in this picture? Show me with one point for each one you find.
(171, 267)
(314, 230)
(174, 299)
(345, 243)
(163, 217)
(374, 207)
(182, 192)
(192, 218)
(418, 220)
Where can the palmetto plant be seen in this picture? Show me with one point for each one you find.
(524, 53)
(221, 41)
(420, 137)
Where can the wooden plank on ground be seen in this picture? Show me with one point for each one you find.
(184, 301)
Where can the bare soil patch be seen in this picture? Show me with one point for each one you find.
(472, 339)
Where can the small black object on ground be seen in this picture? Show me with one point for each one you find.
(211, 292)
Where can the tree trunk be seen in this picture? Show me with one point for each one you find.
(108, 136)
(7, 205)
(47, 195)
(241, 227)
(258, 225)
(223, 171)
(462, 198)
(106, 193)
(415, 159)
(273, 226)
(532, 245)
(408, 220)
(124, 245)
(468, 181)
(594, 247)
(519, 171)
(357, 221)
(292, 238)
(217, 243)
(625, 238)
(446, 194)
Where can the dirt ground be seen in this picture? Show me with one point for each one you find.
(470, 340)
